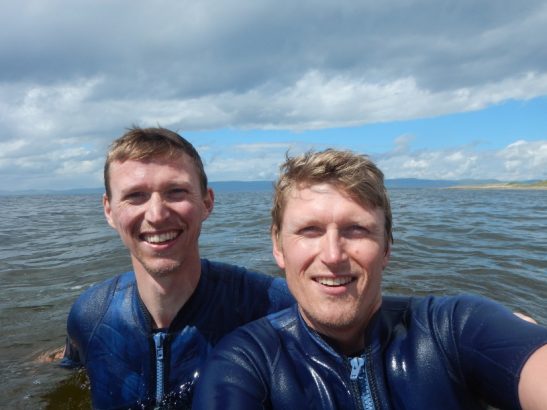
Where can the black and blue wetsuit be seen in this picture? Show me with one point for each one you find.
(449, 353)
(131, 365)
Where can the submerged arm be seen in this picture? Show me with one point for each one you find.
(50, 356)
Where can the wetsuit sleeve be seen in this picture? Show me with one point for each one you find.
(83, 317)
(71, 358)
(261, 295)
(279, 296)
(493, 347)
(234, 376)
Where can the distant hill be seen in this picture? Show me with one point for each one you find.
(266, 186)
(418, 183)
(74, 191)
(218, 186)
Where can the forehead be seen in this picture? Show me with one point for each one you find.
(311, 191)
(180, 159)
(134, 170)
(324, 199)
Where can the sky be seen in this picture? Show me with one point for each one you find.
(429, 89)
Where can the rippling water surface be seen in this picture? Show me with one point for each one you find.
(492, 243)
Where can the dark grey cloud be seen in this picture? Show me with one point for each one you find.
(74, 74)
(186, 49)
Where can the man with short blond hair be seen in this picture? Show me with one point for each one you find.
(345, 345)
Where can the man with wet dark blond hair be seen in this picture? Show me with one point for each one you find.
(143, 336)
(344, 345)
(144, 144)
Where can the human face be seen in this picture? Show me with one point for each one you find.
(333, 251)
(157, 207)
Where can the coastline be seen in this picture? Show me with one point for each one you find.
(537, 186)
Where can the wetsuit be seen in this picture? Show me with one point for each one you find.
(130, 365)
(420, 353)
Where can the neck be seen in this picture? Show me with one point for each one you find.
(345, 340)
(164, 295)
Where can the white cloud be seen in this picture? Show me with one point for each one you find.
(249, 169)
(75, 74)
(258, 161)
(262, 147)
(518, 161)
(522, 159)
(203, 65)
(76, 167)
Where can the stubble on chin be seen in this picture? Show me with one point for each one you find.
(162, 270)
(328, 322)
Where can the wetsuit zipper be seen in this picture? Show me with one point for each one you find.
(159, 344)
(371, 379)
(360, 384)
(355, 366)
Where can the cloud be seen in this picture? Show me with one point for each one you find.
(74, 75)
(523, 158)
(303, 65)
(215, 46)
(518, 161)
(252, 161)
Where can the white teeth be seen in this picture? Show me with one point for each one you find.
(338, 281)
(160, 237)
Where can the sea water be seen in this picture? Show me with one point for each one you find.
(487, 242)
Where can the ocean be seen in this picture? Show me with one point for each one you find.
(488, 242)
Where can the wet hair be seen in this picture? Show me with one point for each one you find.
(149, 143)
(355, 174)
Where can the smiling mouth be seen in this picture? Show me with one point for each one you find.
(333, 282)
(157, 238)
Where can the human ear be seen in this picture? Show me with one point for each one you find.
(107, 209)
(209, 202)
(387, 255)
(277, 248)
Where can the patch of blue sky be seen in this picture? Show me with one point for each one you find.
(491, 128)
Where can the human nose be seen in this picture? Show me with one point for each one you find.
(156, 210)
(332, 248)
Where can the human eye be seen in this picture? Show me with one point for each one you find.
(356, 231)
(310, 231)
(177, 193)
(135, 197)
